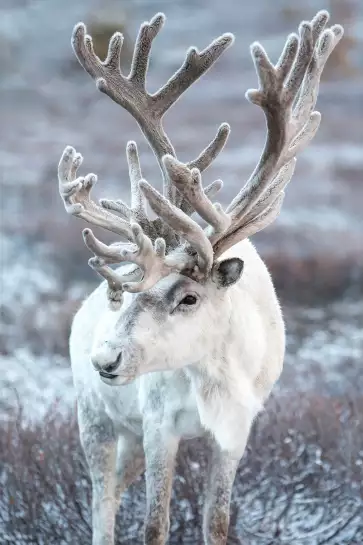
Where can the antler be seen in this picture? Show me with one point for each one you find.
(130, 91)
(287, 95)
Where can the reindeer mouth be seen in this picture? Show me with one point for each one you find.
(107, 375)
(115, 380)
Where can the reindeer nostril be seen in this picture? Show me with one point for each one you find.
(113, 366)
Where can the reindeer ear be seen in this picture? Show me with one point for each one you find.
(227, 272)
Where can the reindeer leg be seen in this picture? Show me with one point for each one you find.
(223, 469)
(99, 443)
(226, 455)
(160, 452)
(130, 462)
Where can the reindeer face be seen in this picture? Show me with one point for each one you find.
(172, 325)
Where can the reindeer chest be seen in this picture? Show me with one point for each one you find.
(170, 398)
(187, 422)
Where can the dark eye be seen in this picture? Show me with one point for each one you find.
(188, 300)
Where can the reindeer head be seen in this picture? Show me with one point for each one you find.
(166, 307)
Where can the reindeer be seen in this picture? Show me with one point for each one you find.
(185, 338)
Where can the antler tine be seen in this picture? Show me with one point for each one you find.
(182, 224)
(287, 95)
(114, 281)
(138, 202)
(131, 94)
(137, 211)
(75, 193)
(140, 60)
(210, 191)
(202, 162)
(208, 155)
(189, 185)
(105, 255)
(194, 66)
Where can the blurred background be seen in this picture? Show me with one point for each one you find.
(314, 250)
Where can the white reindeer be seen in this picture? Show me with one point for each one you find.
(186, 338)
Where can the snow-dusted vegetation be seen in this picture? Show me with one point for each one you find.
(300, 482)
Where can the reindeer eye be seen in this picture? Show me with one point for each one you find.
(188, 300)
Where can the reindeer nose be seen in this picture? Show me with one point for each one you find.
(113, 366)
(102, 363)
